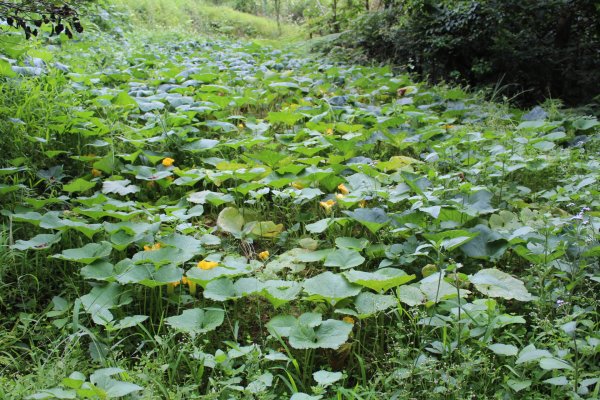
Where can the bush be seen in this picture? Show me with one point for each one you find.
(539, 48)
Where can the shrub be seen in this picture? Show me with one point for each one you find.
(540, 48)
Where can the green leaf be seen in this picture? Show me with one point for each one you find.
(124, 99)
(330, 287)
(214, 198)
(518, 385)
(368, 303)
(146, 274)
(230, 220)
(54, 393)
(351, 243)
(224, 289)
(373, 218)
(128, 322)
(100, 300)
(266, 229)
(326, 378)
(581, 124)
(380, 280)
(411, 295)
(121, 187)
(78, 185)
(228, 268)
(503, 349)
(487, 243)
(86, 254)
(39, 242)
(304, 396)
(331, 334)
(100, 270)
(530, 353)
(5, 69)
(280, 292)
(197, 320)
(552, 363)
(281, 325)
(284, 117)
(557, 381)
(344, 259)
(495, 283)
(450, 240)
(116, 388)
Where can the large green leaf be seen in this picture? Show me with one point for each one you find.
(100, 300)
(280, 292)
(330, 334)
(368, 304)
(197, 320)
(231, 220)
(344, 259)
(495, 283)
(330, 287)
(40, 242)
(380, 280)
(86, 254)
(373, 218)
(224, 289)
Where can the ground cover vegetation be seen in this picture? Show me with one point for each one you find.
(207, 218)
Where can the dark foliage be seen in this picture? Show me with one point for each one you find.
(535, 48)
(31, 15)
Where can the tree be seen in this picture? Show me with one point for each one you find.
(31, 15)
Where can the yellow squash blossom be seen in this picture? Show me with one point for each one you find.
(167, 162)
(348, 320)
(155, 246)
(343, 189)
(171, 287)
(362, 203)
(206, 265)
(329, 131)
(297, 185)
(241, 126)
(327, 205)
(263, 255)
(191, 285)
(96, 172)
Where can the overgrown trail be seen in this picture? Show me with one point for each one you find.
(223, 219)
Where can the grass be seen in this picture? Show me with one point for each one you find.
(186, 16)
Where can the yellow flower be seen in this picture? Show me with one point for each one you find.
(191, 285)
(171, 287)
(263, 255)
(96, 172)
(348, 320)
(155, 246)
(343, 189)
(206, 265)
(241, 126)
(448, 126)
(339, 196)
(327, 205)
(297, 185)
(362, 203)
(329, 131)
(167, 162)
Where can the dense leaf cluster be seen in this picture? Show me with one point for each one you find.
(544, 48)
(30, 16)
